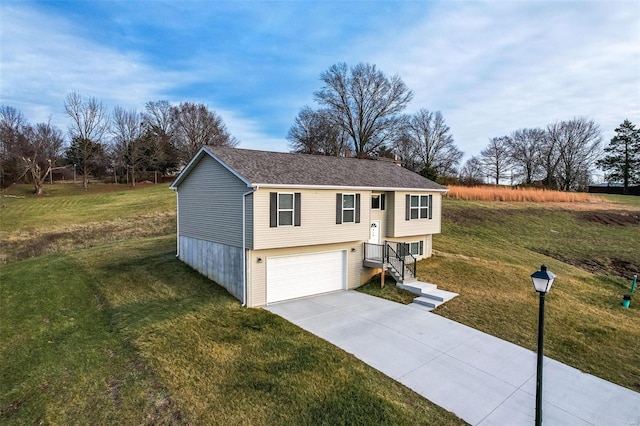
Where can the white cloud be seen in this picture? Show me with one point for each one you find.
(498, 66)
(43, 60)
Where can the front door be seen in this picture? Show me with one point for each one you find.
(374, 232)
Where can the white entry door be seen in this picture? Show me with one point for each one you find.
(374, 232)
(290, 277)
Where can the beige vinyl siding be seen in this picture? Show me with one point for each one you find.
(210, 207)
(426, 243)
(403, 228)
(390, 214)
(257, 272)
(317, 220)
(380, 215)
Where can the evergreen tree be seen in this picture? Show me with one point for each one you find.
(622, 156)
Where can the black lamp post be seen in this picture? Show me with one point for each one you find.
(542, 281)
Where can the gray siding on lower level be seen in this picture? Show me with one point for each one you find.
(218, 262)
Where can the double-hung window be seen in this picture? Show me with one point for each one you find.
(419, 207)
(347, 208)
(284, 209)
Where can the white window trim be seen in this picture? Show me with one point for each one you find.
(379, 201)
(408, 243)
(419, 207)
(292, 209)
(353, 209)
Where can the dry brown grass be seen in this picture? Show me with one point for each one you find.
(509, 194)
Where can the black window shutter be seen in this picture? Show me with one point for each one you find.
(338, 208)
(408, 209)
(357, 208)
(296, 209)
(421, 251)
(273, 209)
(382, 201)
(430, 206)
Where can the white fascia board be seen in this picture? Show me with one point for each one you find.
(353, 188)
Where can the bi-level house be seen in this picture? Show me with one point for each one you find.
(271, 226)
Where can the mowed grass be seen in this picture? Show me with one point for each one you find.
(487, 251)
(69, 217)
(124, 333)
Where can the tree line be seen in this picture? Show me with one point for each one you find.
(122, 143)
(360, 112)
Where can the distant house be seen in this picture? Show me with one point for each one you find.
(613, 188)
(272, 226)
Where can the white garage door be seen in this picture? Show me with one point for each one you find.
(304, 275)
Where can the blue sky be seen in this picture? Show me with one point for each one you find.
(491, 67)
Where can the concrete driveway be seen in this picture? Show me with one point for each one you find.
(482, 379)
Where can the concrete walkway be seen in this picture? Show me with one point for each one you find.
(482, 379)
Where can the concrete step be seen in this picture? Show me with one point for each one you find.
(420, 307)
(417, 287)
(439, 295)
(431, 297)
(425, 301)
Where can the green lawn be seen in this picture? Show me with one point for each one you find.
(487, 251)
(124, 333)
(69, 217)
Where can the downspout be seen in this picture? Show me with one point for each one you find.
(244, 245)
(177, 225)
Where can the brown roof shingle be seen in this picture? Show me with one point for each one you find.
(279, 168)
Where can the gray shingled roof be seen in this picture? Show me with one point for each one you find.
(279, 168)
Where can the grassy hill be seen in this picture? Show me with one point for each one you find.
(110, 328)
(487, 250)
(99, 323)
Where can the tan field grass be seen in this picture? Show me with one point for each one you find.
(505, 193)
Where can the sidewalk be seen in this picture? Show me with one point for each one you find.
(482, 379)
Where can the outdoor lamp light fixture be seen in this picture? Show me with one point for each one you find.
(542, 281)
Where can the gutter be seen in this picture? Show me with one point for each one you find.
(352, 188)
(244, 245)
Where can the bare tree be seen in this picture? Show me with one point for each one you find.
(433, 143)
(158, 135)
(38, 155)
(194, 126)
(89, 123)
(472, 173)
(126, 130)
(578, 147)
(314, 133)
(407, 151)
(495, 158)
(364, 103)
(525, 149)
(12, 126)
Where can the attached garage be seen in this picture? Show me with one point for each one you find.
(290, 277)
